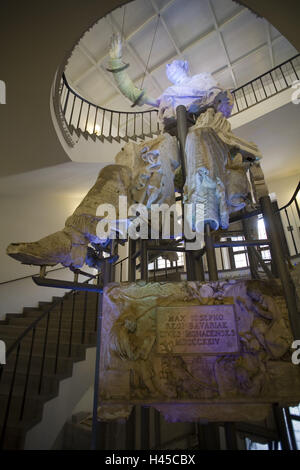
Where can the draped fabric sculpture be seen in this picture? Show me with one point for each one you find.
(216, 163)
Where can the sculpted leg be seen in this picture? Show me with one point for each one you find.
(69, 246)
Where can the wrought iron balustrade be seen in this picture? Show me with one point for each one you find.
(90, 120)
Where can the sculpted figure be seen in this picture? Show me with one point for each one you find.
(153, 165)
(70, 245)
(128, 345)
(196, 93)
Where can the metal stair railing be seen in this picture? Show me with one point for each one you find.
(90, 120)
(231, 243)
(266, 85)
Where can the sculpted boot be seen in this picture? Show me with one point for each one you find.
(69, 246)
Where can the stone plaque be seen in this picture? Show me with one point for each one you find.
(204, 329)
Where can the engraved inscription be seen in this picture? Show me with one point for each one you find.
(205, 329)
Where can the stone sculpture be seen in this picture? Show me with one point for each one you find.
(153, 165)
(220, 350)
(69, 246)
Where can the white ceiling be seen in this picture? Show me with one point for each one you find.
(215, 36)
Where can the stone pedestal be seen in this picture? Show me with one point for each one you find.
(217, 351)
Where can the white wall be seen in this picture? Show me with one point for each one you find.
(278, 138)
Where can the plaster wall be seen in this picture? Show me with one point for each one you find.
(28, 217)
